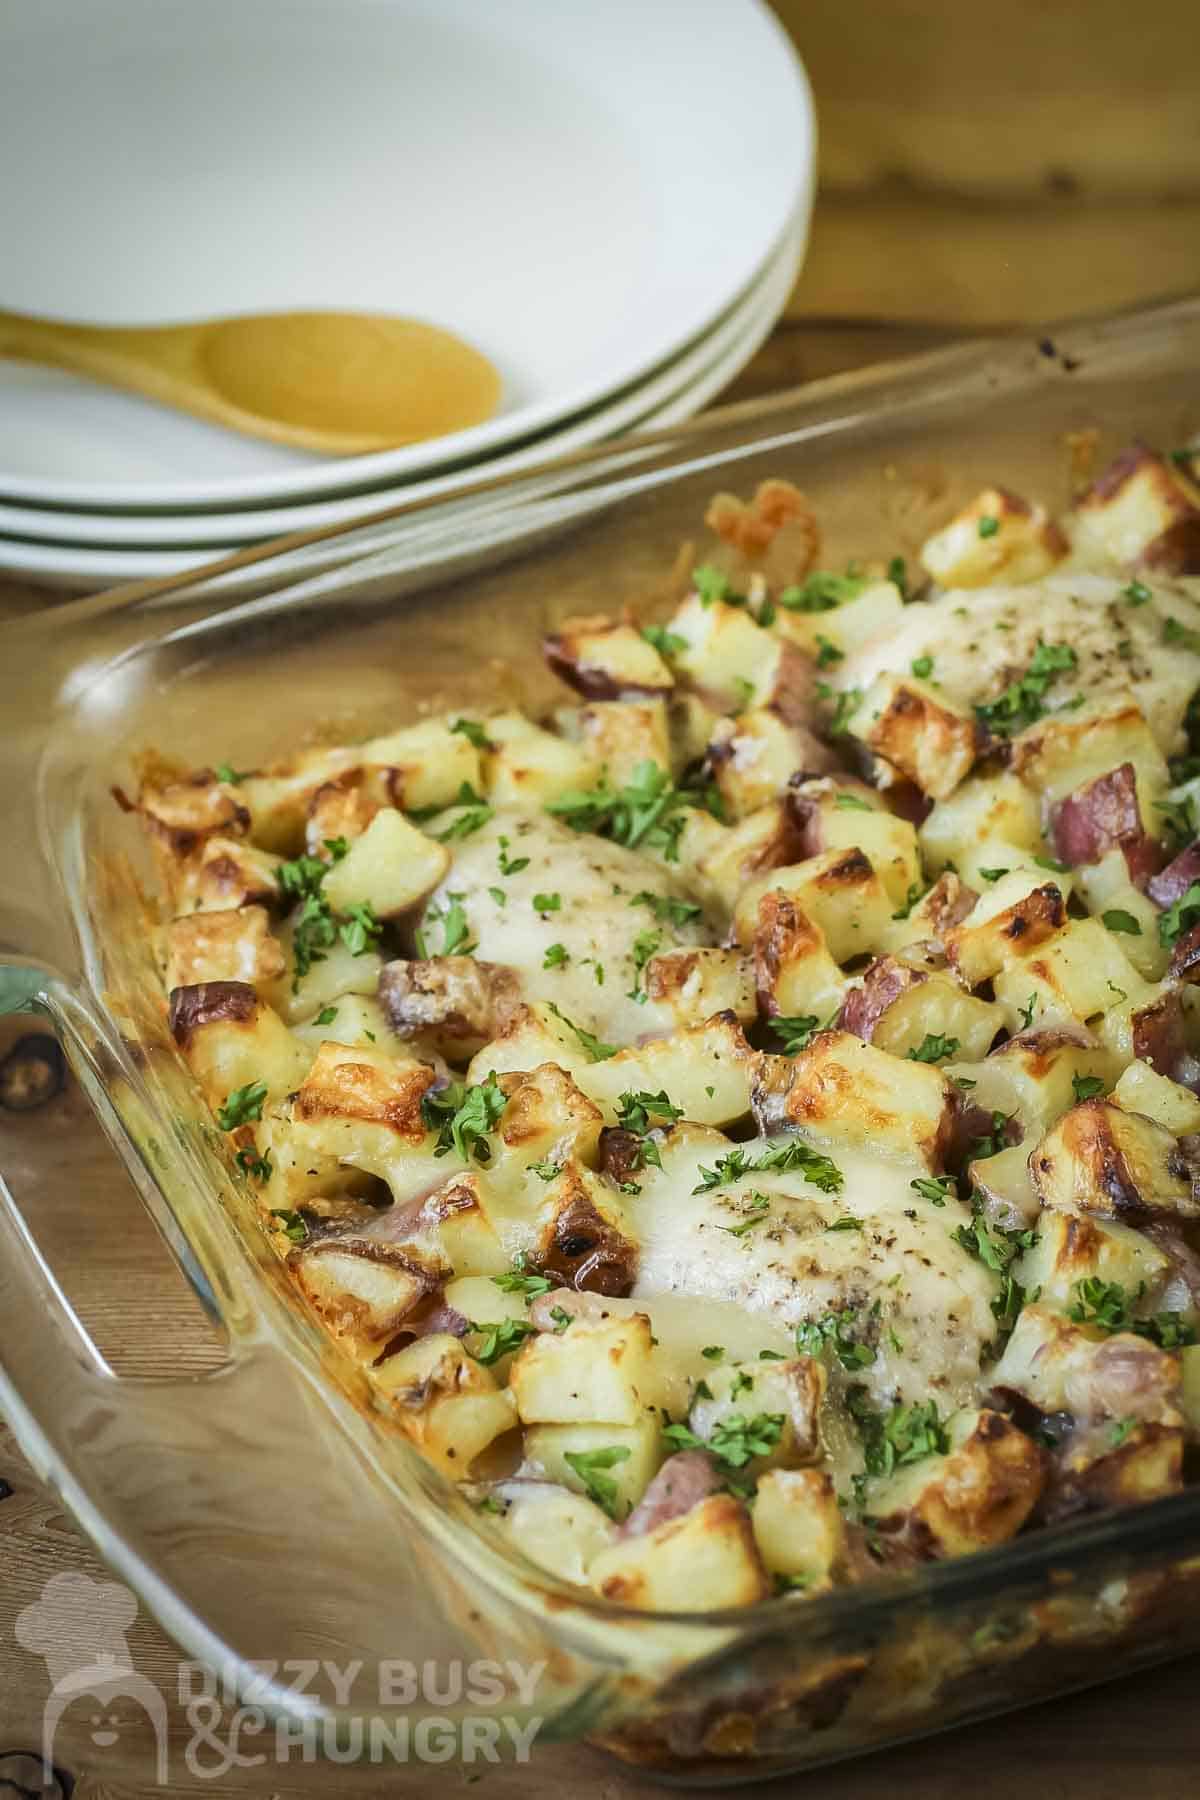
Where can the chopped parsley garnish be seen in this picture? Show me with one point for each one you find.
(994, 1141)
(1116, 919)
(1102, 1303)
(992, 874)
(498, 895)
(822, 592)
(934, 1188)
(361, 930)
(991, 1245)
(713, 1352)
(846, 704)
(828, 653)
(463, 1116)
(1137, 593)
(640, 1114)
(934, 1048)
(546, 1170)
(562, 1318)
(1179, 917)
(988, 526)
(847, 802)
(599, 1052)
(645, 945)
(456, 933)
(499, 1338)
(667, 643)
(897, 574)
(242, 1106)
(557, 957)
(326, 1016)
(290, 1223)
(1052, 863)
(820, 1170)
(1120, 1431)
(645, 811)
(509, 865)
(1027, 1012)
(1183, 635)
(759, 1205)
(667, 908)
(475, 814)
(302, 876)
(1086, 1087)
(846, 1223)
(796, 1033)
(519, 1280)
(835, 1331)
(547, 903)
(257, 1167)
(473, 731)
(735, 1438)
(590, 1466)
(710, 584)
(893, 1440)
(226, 772)
(1178, 822)
(915, 893)
(1021, 703)
(921, 666)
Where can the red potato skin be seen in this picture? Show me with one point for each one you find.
(1104, 815)
(682, 1483)
(882, 984)
(1173, 882)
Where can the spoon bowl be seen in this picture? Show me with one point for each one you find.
(339, 383)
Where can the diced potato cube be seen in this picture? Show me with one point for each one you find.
(364, 1289)
(984, 808)
(1017, 913)
(607, 659)
(232, 1039)
(980, 1493)
(919, 730)
(622, 1480)
(338, 972)
(706, 1070)
(598, 1370)
(1065, 1367)
(530, 767)
(731, 658)
(559, 1531)
(1101, 1159)
(533, 1035)
(448, 1404)
(686, 987)
(793, 1391)
(752, 758)
(1005, 1188)
(838, 890)
(621, 734)
(798, 1527)
(1035, 1074)
(844, 818)
(356, 1020)
(739, 854)
(422, 765)
(874, 611)
(1146, 1464)
(1125, 910)
(905, 1009)
(998, 537)
(1142, 1090)
(705, 1560)
(234, 945)
(1073, 1247)
(228, 872)
(390, 868)
(1141, 510)
(842, 1091)
(1066, 750)
(1074, 973)
(795, 976)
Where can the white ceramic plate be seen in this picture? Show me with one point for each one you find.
(579, 189)
(83, 570)
(183, 531)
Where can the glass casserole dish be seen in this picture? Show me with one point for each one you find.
(179, 1482)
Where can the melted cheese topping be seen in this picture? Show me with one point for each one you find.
(983, 639)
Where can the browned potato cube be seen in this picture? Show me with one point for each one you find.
(840, 1090)
(979, 1493)
(998, 537)
(1142, 510)
(919, 730)
(607, 659)
(700, 1562)
(234, 945)
(1101, 1159)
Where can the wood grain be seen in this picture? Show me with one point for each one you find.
(1138, 1734)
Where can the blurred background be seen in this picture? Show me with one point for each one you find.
(983, 167)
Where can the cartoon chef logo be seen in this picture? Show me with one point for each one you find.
(79, 1627)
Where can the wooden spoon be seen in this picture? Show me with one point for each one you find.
(338, 382)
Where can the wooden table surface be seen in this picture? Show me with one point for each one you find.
(1138, 1733)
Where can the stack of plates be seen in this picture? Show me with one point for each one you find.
(610, 201)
